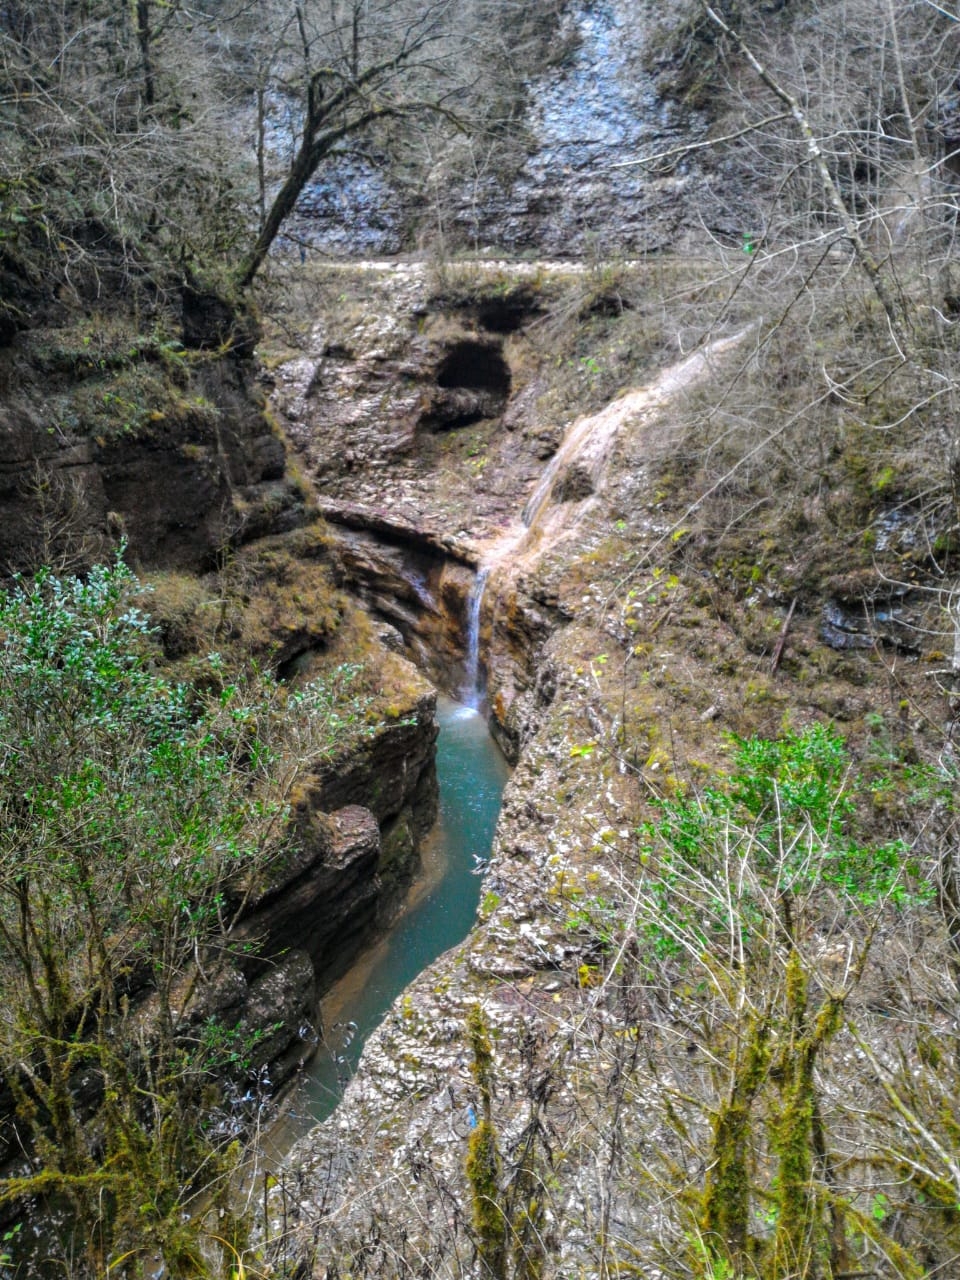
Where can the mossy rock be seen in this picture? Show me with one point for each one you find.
(216, 318)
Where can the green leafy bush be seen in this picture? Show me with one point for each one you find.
(761, 905)
(136, 815)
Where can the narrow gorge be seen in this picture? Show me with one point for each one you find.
(490, 610)
(493, 670)
(479, 640)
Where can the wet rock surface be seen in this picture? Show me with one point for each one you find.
(326, 895)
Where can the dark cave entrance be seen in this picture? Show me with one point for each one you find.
(475, 366)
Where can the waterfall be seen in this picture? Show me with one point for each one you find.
(586, 442)
(541, 492)
(590, 439)
(471, 686)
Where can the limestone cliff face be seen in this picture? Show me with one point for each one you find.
(305, 927)
(392, 773)
(326, 888)
(520, 616)
(408, 578)
(416, 428)
(607, 91)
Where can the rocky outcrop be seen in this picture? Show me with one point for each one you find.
(323, 899)
(354, 848)
(277, 1017)
(519, 620)
(273, 1014)
(413, 585)
(398, 382)
(415, 383)
(398, 526)
(414, 427)
(107, 434)
(393, 774)
(316, 912)
(217, 319)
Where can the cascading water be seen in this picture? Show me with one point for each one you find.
(471, 772)
(472, 694)
(590, 439)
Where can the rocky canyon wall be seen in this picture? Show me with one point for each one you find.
(614, 85)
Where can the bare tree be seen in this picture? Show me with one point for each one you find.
(360, 64)
(115, 139)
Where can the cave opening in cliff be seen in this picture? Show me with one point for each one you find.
(475, 366)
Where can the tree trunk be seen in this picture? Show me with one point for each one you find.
(146, 53)
(305, 164)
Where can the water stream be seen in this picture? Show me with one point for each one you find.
(472, 695)
(472, 773)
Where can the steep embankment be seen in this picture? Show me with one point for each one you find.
(131, 416)
(628, 629)
(140, 423)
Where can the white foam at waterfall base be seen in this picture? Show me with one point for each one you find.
(463, 712)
